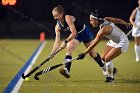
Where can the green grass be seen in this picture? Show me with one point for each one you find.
(13, 55)
(86, 76)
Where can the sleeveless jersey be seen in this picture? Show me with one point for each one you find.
(137, 17)
(78, 25)
(136, 29)
(116, 34)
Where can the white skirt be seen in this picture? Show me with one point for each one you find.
(136, 30)
(123, 44)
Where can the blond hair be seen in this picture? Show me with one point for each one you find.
(59, 9)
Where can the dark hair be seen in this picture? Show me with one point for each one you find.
(98, 14)
(59, 9)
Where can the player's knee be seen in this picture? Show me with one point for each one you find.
(103, 58)
(107, 59)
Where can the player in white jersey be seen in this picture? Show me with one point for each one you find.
(117, 44)
(135, 21)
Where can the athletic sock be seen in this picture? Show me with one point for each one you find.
(68, 65)
(100, 62)
(104, 67)
(110, 66)
(137, 52)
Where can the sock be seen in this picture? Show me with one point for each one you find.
(100, 62)
(104, 67)
(68, 65)
(137, 52)
(110, 66)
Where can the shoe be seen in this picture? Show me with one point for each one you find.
(64, 72)
(115, 71)
(109, 80)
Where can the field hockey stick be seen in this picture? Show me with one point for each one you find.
(129, 32)
(32, 71)
(50, 68)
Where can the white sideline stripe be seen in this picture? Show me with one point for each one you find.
(76, 85)
(19, 83)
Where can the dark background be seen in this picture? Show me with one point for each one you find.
(30, 17)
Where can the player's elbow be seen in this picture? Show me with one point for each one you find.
(131, 20)
(74, 33)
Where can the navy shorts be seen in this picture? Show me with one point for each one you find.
(85, 36)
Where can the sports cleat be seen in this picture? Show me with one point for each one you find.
(115, 71)
(109, 80)
(64, 72)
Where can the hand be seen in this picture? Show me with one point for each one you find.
(128, 26)
(81, 56)
(63, 45)
(51, 55)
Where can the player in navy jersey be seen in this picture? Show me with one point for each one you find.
(79, 33)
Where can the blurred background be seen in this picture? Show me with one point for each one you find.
(27, 18)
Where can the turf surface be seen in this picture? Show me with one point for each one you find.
(86, 76)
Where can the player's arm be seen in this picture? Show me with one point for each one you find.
(103, 31)
(69, 20)
(132, 17)
(117, 20)
(57, 39)
(72, 29)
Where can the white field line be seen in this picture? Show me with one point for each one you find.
(19, 83)
(81, 85)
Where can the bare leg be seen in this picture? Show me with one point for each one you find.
(71, 46)
(110, 55)
(113, 53)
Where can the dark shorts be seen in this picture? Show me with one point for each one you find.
(85, 36)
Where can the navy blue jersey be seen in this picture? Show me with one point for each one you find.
(78, 25)
(83, 32)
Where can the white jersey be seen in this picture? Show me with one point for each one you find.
(136, 29)
(117, 37)
(137, 17)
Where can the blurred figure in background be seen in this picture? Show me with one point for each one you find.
(135, 21)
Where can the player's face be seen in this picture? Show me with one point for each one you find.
(93, 22)
(57, 15)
